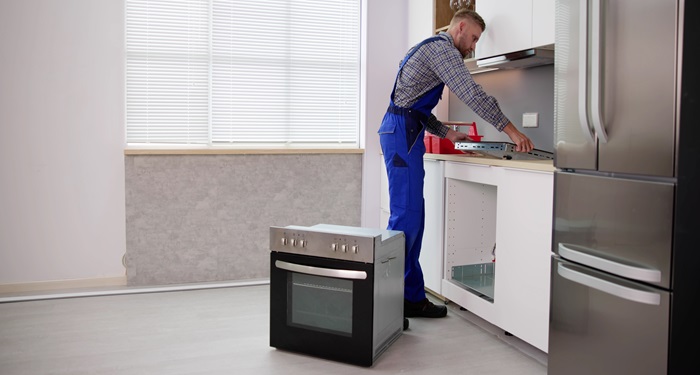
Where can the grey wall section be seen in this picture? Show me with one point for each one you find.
(199, 218)
(517, 92)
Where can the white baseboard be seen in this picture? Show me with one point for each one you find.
(42, 286)
(93, 289)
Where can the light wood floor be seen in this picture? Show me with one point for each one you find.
(225, 331)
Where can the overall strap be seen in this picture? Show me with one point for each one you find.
(426, 41)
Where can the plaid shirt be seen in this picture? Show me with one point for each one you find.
(439, 62)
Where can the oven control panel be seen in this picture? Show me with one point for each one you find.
(330, 241)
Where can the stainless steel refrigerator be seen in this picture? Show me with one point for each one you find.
(625, 250)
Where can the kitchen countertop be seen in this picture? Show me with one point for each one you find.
(536, 165)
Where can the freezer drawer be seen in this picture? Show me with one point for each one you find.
(601, 324)
(617, 225)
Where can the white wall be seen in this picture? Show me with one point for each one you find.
(514, 90)
(61, 140)
(420, 21)
(384, 38)
(62, 202)
(387, 37)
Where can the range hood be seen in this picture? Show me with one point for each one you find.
(515, 60)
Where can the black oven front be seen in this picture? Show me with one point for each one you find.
(320, 307)
(349, 309)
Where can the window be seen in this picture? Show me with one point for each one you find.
(243, 73)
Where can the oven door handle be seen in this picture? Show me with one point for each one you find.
(318, 271)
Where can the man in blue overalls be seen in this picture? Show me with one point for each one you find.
(422, 76)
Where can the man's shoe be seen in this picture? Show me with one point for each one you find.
(423, 309)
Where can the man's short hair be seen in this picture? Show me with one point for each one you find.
(468, 14)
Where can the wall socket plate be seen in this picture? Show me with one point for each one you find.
(530, 119)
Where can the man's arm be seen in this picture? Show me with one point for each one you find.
(435, 127)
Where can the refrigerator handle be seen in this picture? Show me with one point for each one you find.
(596, 67)
(583, 72)
(630, 294)
(624, 270)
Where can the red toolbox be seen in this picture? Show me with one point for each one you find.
(438, 145)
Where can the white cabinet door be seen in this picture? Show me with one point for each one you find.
(514, 25)
(542, 22)
(523, 247)
(431, 259)
(508, 26)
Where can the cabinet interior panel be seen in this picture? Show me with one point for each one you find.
(470, 222)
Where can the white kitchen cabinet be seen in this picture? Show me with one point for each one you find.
(508, 26)
(524, 235)
(510, 210)
(383, 218)
(431, 256)
(542, 22)
(384, 197)
(514, 25)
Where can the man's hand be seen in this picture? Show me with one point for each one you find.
(456, 136)
(522, 142)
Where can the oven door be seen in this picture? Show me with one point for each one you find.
(322, 307)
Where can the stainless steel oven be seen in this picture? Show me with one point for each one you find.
(336, 292)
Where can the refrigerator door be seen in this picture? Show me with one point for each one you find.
(600, 324)
(637, 100)
(615, 225)
(615, 86)
(574, 139)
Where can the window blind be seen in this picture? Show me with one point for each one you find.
(243, 72)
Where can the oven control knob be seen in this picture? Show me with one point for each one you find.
(354, 249)
(344, 248)
(302, 243)
(293, 241)
(334, 246)
(284, 241)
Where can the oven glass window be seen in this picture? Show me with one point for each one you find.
(320, 303)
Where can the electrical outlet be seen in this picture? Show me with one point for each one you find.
(530, 120)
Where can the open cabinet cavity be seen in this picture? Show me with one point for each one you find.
(470, 246)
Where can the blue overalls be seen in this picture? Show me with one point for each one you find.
(401, 138)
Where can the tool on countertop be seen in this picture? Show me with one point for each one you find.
(502, 150)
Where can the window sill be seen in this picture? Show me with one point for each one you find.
(216, 151)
